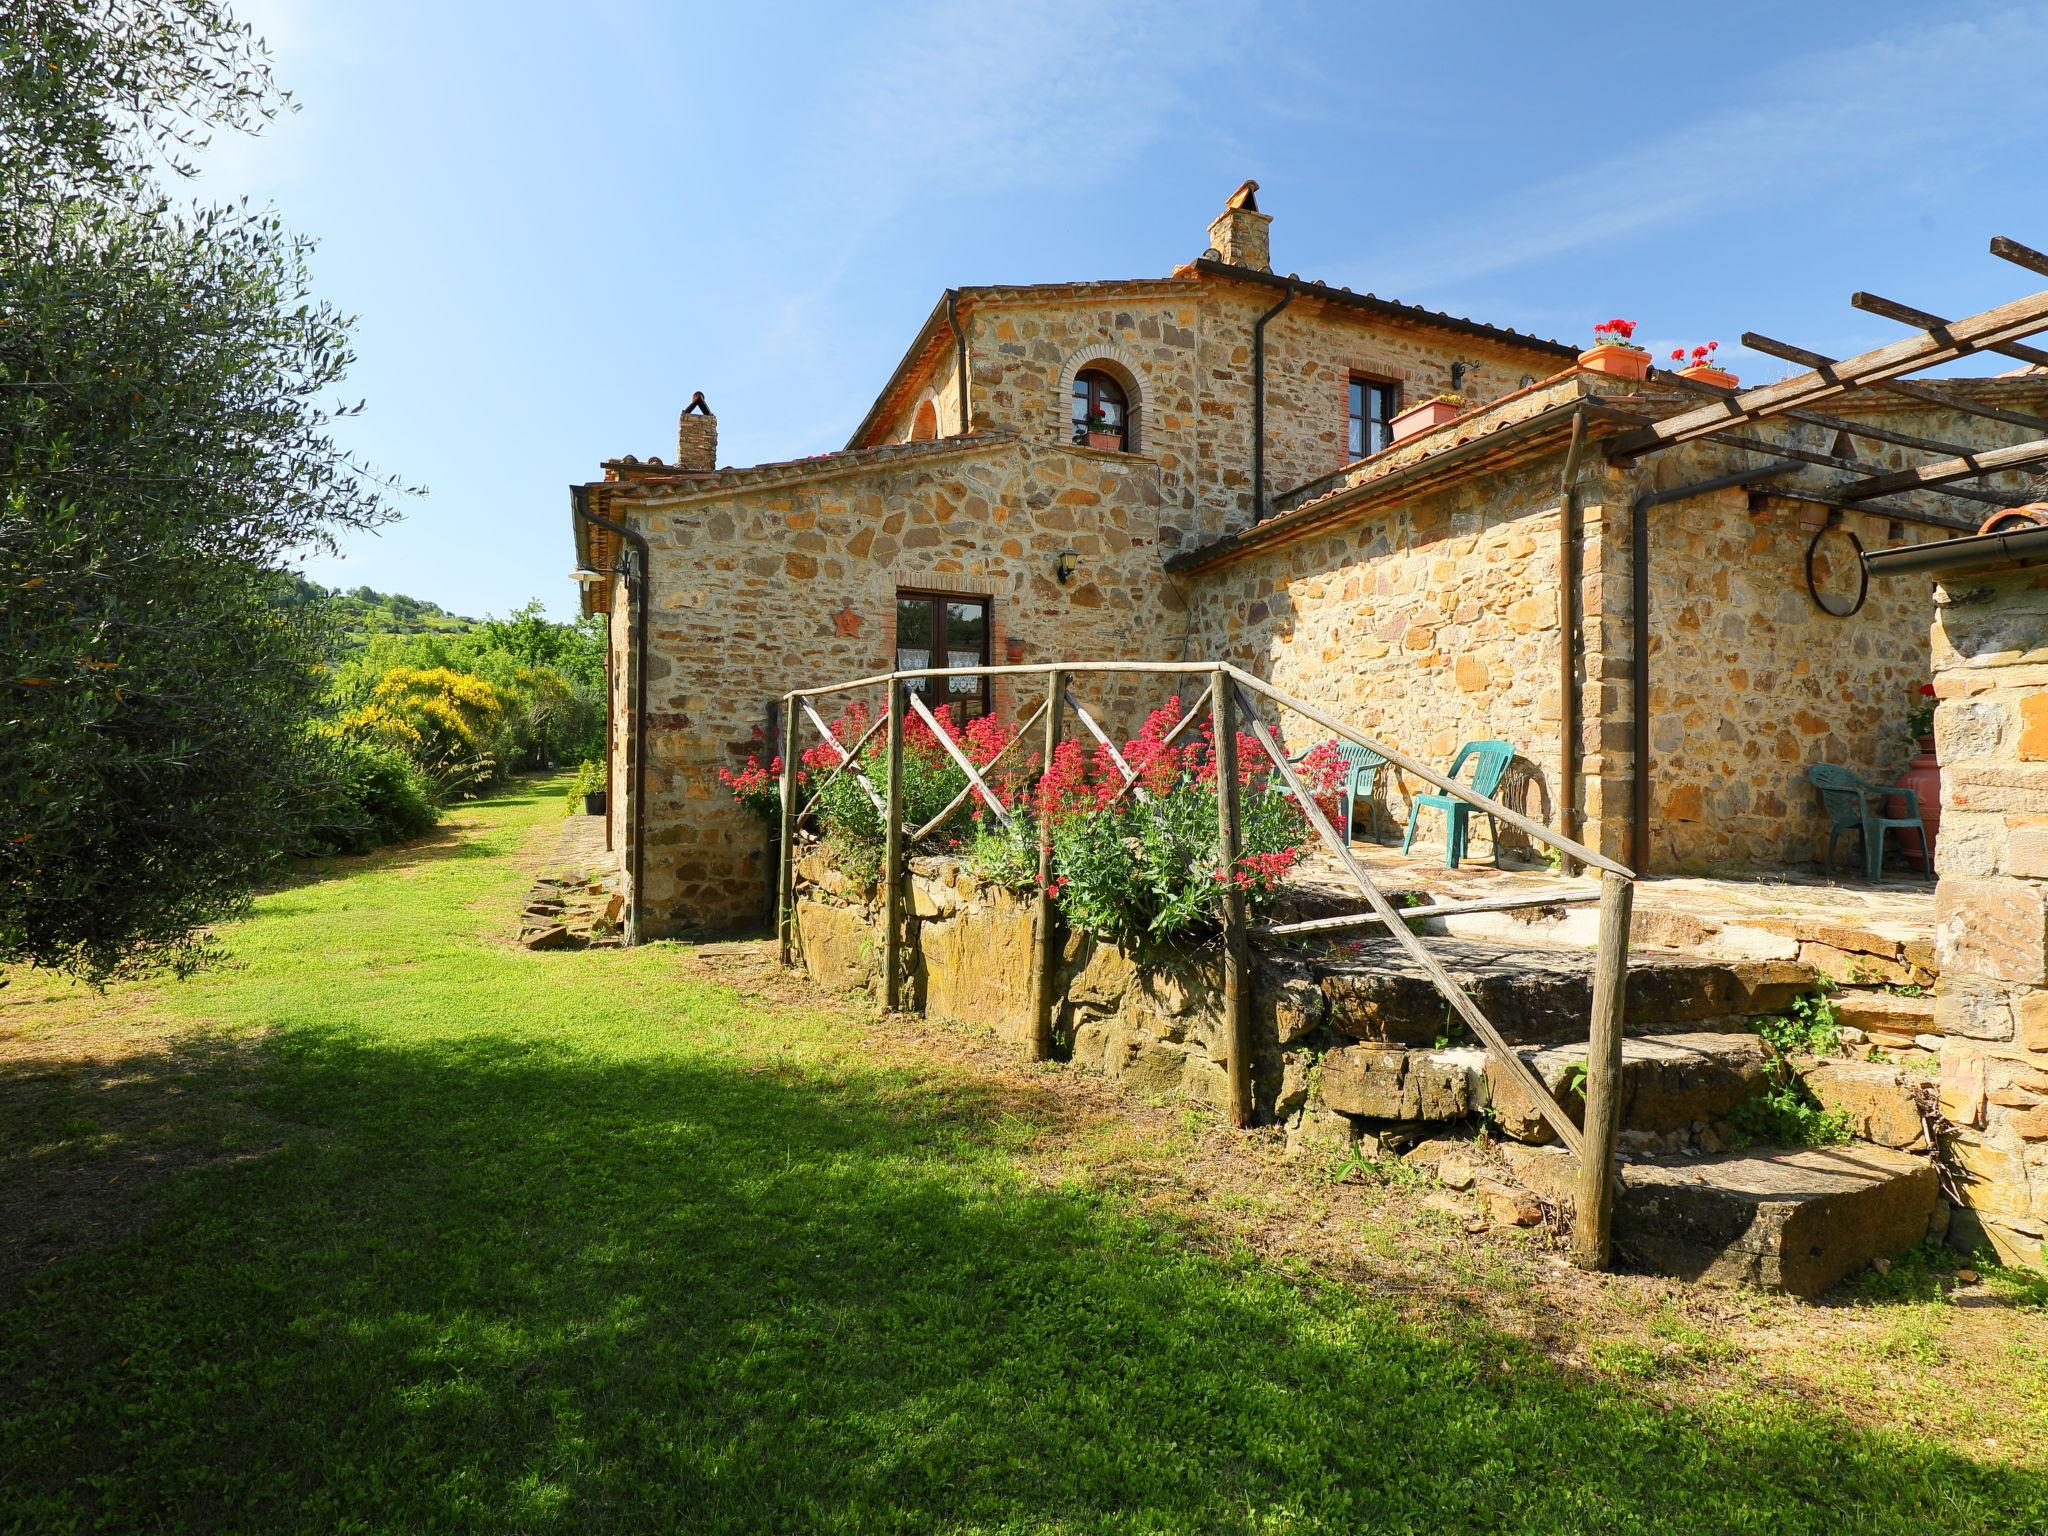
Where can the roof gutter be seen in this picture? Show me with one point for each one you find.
(630, 572)
(1259, 400)
(2019, 545)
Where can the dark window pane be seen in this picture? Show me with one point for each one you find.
(967, 628)
(913, 634)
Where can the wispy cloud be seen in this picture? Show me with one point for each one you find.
(991, 95)
(1880, 113)
(954, 98)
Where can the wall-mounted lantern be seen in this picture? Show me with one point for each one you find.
(1066, 565)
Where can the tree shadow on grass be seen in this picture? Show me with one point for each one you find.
(509, 1285)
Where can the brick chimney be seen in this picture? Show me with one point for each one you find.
(1239, 233)
(697, 436)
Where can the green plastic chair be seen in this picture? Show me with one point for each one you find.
(1362, 768)
(1854, 803)
(1490, 761)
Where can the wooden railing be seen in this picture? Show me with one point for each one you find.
(1232, 699)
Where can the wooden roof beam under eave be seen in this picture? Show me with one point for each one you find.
(1991, 461)
(1875, 509)
(1828, 378)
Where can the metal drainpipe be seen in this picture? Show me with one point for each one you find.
(1567, 637)
(1259, 405)
(1639, 640)
(959, 353)
(579, 499)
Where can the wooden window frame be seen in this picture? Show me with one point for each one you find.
(937, 601)
(1369, 382)
(1082, 377)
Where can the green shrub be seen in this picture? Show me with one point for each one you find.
(361, 794)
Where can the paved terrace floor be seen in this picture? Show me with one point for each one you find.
(1770, 915)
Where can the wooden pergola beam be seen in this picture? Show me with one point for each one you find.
(1924, 349)
(1925, 320)
(1991, 461)
(1836, 461)
(1869, 431)
(2006, 249)
(1911, 389)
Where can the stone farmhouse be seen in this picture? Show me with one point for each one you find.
(1410, 518)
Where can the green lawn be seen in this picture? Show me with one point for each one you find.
(449, 1236)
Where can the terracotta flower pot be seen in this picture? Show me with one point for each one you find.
(1707, 373)
(1111, 442)
(1923, 777)
(1621, 362)
(1420, 418)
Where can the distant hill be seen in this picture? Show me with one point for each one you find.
(358, 612)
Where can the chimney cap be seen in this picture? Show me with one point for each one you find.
(697, 404)
(1245, 197)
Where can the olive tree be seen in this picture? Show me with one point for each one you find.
(166, 414)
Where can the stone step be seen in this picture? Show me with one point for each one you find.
(1793, 1221)
(1880, 1099)
(1669, 1082)
(1533, 994)
(1890, 1019)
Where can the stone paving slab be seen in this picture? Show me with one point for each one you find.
(1767, 917)
(574, 902)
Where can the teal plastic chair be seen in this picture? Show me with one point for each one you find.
(1490, 761)
(1854, 803)
(1362, 768)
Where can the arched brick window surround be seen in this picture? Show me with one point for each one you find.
(924, 421)
(1109, 358)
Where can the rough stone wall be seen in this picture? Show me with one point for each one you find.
(1154, 1024)
(1991, 732)
(1752, 682)
(1023, 355)
(1188, 348)
(1314, 349)
(758, 588)
(1427, 625)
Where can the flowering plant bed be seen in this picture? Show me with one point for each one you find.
(1137, 864)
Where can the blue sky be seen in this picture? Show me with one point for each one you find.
(556, 221)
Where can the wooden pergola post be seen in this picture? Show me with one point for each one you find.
(1236, 962)
(785, 878)
(1045, 961)
(892, 858)
(1592, 1231)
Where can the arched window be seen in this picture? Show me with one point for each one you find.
(1102, 418)
(925, 425)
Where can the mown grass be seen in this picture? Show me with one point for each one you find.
(460, 1238)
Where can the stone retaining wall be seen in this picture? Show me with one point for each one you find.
(1345, 1048)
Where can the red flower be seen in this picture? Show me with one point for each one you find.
(1677, 354)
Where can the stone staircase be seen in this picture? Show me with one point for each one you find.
(1700, 1200)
